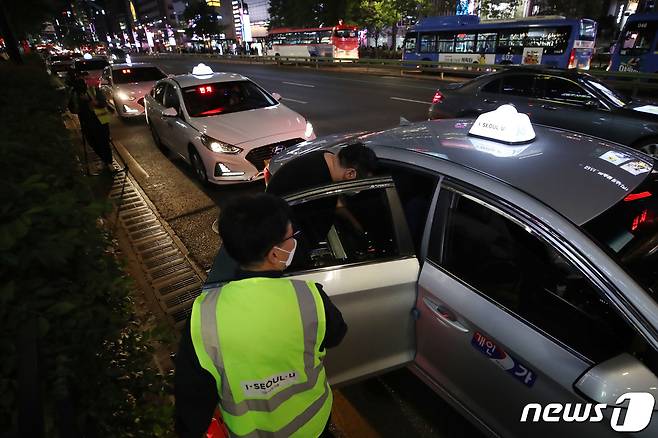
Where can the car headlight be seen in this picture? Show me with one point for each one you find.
(122, 95)
(309, 130)
(219, 146)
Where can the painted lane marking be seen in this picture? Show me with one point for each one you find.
(293, 100)
(299, 85)
(411, 100)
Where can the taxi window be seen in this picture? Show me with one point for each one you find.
(158, 93)
(359, 229)
(171, 98)
(522, 273)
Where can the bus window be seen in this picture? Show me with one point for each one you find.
(308, 38)
(637, 38)
(512, 41)
(553, 40)
(427, 43)
(486, 43)
(325, 37)
(410, 43)
(446, 42)
(465, 43)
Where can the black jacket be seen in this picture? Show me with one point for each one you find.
(195, 388)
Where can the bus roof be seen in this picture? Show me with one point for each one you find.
(473, 21)
(312, 29)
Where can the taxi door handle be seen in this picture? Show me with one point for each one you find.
(444, 315)
(490, 101)
(549, 107)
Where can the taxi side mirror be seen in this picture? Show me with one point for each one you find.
(609, 380)
(170, 112)
(276, 96)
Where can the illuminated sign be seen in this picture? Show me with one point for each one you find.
(201, 69)
(504, 124)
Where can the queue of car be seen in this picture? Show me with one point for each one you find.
(509, 260)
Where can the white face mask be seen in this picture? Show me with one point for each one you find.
(291, 253)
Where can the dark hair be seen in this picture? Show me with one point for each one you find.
(251, 225)
(358, 157)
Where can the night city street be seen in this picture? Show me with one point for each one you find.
(357, 218)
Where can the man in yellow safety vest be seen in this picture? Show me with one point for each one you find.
(255, 346)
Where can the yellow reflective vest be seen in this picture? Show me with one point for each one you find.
(260, 339)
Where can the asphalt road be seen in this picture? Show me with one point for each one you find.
(396, 404)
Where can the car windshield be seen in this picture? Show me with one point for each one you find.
(139, 74)
(224, 97)
(630, 230)
(345, 33)
(613, 95)
(91, 65)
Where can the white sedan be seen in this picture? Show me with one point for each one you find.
(125, 86)
(223, 124)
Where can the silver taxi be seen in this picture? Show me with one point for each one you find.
(515, 274)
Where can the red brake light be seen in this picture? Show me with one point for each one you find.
(639, 219)
(438, 97)
(636, 196)
(572, 59)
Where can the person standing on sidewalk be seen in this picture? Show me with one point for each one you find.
(90, 104)
(256, 345)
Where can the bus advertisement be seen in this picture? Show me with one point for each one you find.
(635, 51)
(332, 42)
(552, 41)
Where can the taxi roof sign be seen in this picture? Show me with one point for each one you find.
(505, 125)
(202, 69)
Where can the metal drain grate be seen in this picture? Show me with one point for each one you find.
(170, 272)
(182, 298)
(154, 263)
(178, 285)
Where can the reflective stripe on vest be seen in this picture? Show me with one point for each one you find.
(103, 115)
(299, 409)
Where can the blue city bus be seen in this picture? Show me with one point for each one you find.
(551, 41)
(636, 49)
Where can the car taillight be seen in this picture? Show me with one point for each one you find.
(438, 97)
(572, 59)
(636, 196)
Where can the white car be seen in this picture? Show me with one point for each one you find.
(125, 86)
(223, 124)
